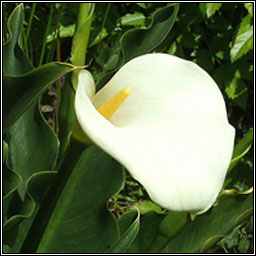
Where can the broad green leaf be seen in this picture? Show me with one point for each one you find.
(211, 8)
(20, 91)
(14, 60)
(80, 221)
(243, 216)
(211, 242)
(36, 187)
(149, 229)
(41, 219)
(241, 148)
(127, 237)
(216, 222)
(244, 39)
(133, 19)
(126, 220)
(36, 182)
(136, 42)
(33, 146)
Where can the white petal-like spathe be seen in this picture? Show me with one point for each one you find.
(172, 133)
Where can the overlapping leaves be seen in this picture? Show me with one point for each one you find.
(32, 145)
(75, 206)
(137, 41)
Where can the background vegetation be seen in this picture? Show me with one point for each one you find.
(218, 37)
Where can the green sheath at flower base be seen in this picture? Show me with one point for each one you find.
(171, 133)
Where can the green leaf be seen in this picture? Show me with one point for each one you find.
(238, 91)
(33, 146)
(241, 148)
(143, 5)
(81, 207)
(127, 237)
(35, 184)
(65, 31)
(20, 91)
(249, 7)
(16, 228)
(126, 220)
(216, 222)
(205, 59)
(11, 179)
(136, 42)
(133, 19)
(211, 8)
(100, 36)
(148, 232)
(14, 60)
(244, 39)
(66, 114)
(208, 244)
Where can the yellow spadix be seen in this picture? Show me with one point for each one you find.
(110, 107)
(107, 110)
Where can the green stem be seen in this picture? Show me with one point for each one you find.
(32, 12)
(66, 111)
(45, 35)
(105, 17)
(51, 51)
(58, 84)
(81, 38)
(82, 14)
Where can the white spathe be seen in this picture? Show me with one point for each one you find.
(172, 133)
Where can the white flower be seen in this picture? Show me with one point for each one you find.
(171, 133)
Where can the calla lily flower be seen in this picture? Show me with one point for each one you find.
(171, 130)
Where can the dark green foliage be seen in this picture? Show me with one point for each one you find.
(69, 210)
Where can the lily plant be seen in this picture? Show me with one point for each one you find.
(165, 120)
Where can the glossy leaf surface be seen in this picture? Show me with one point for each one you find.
(81, 209)
(217, 222)
(127, 237)
(21, 91)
